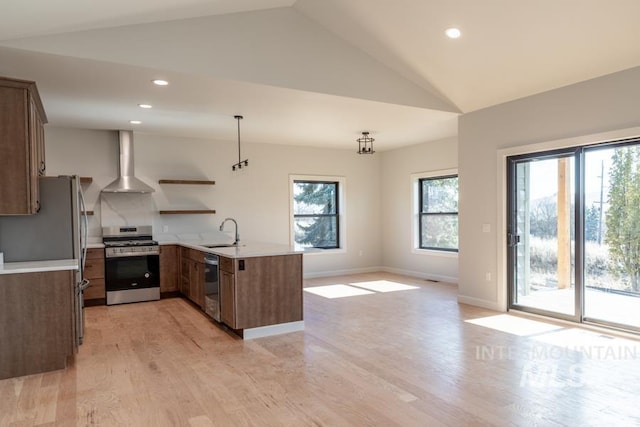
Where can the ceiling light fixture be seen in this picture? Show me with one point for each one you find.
(244, 162)
(365, 144)
(160, 82)
(146, 106)
(453, 33)
(135, 122)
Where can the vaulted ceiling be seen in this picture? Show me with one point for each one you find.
(306, 72)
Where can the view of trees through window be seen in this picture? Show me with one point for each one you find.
(611, 220)
(439, 213)
(316, 214)
(622, 232)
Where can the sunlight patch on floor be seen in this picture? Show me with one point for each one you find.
(337, 291)
(593, 345)
(383, 286)
(514, 325)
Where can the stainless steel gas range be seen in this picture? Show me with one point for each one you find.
(132, 264)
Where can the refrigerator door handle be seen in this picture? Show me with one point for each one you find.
(85, 228)
(84, 284)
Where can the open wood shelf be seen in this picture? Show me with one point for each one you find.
(186, 181)
(187, 212)
(83, 179)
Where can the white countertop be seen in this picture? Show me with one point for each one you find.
(38, 266)
(200, 240)
(244, 250)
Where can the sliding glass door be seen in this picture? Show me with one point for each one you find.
(542, 233)
(612, 235)
(574, 233)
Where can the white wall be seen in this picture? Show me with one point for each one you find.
(257, 196)
(86, 153)
(604, 104)
(397, 167)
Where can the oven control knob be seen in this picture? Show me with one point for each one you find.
(146, 275)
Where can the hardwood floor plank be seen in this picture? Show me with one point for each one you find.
(401, 355)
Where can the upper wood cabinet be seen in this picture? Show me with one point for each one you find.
(22, 159)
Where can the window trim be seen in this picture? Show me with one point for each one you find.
(416, 213)
(340, 212)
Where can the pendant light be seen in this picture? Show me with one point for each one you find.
(244, 162)
(365, 144)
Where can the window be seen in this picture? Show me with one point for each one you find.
(438, 213)
(316, 213)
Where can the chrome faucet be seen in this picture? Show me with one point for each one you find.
(234, 221)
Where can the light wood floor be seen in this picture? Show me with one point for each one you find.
(405, 358)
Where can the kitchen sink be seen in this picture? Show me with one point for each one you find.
(222, 245)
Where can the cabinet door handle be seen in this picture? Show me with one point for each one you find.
(37, 206)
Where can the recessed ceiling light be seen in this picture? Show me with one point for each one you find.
(160, 82)
(145, 106)
(453, 33)
(135, 122)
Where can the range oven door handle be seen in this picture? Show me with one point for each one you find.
(110, 255)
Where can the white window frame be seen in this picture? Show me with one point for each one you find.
(415, 213)
(342, 209)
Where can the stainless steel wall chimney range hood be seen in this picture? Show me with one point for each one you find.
(127, 182)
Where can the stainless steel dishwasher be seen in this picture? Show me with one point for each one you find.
(211, 287)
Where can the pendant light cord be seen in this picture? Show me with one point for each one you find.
(238, 118)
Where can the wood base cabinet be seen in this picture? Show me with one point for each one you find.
(169, 269)
(196, 282)
(36, 322)
(95, 294)
(192, 271)
(228, 299)
(261, 291)
(21, 146)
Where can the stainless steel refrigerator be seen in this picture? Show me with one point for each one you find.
(58, 231)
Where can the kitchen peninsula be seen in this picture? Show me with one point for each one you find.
(260, 284)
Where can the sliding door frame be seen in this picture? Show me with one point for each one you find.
(578, 147)
(512, 162)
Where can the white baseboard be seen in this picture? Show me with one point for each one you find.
(329, 273)
(491, 305)
(411, 273)
(421, 275)
(267, 331)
